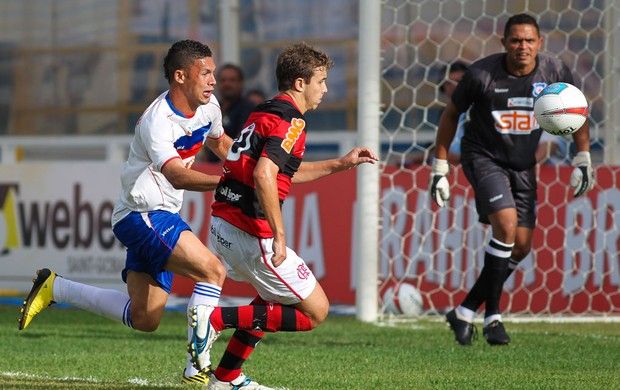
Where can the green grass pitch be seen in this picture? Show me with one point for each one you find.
(70, 349)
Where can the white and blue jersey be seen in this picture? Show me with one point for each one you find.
(146, 216)
(163, 134)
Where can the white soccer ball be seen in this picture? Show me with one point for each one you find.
(561, 109)
(403, 299)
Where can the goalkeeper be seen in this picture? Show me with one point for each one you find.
(498, 155)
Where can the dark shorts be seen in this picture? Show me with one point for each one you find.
(150, 238)
(498, 188)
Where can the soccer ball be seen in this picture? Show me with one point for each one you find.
(403, 299)
(561, 109)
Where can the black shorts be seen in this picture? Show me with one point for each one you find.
(498, 188)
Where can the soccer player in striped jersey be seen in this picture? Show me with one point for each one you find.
(247, 230)
(498, 156)
(146, 217)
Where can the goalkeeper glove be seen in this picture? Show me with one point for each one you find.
(582, 178)
(440, 188)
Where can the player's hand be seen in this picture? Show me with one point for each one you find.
(582, 178)
(439, 186)
(279, 251)
(357, 156)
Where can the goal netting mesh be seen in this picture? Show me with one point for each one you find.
(574, 265)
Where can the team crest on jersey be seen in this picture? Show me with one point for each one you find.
(303, 272)
(293, 133)
(537, 88)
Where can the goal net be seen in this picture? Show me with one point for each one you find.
(574, 265)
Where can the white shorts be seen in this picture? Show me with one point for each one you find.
(248, 259)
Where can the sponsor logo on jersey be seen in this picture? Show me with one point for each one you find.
(229, 194)
(537, 88)
(501, 90)
(293, 133)
(518, 122)
(520, 102)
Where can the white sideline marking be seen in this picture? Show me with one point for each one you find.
(515, 319)
(133, 381)
(563, 320)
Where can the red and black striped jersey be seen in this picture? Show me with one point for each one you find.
(276, 129)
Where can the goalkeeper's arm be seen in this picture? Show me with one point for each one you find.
(439, 186)
(582, 178)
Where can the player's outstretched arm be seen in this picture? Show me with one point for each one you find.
(183, 178)
(309, 171)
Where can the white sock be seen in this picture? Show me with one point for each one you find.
(465, 314)
(491, 318)
(204, 294)
(109, 303)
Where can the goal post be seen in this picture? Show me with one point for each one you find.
(574, 266)
(367, 205)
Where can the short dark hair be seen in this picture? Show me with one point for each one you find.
(520, 19)
(231, 67)
(299, 60)
(458, 66)
(181, 55)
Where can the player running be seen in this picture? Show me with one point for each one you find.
(498, 155)
(146, 217)
(247, 230)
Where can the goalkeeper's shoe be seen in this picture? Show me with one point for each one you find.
(203, 336)
(241, 383)
(464, 331)
(39, 298)
(495, 333)
(202, 376)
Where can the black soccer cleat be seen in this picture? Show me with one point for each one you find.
(495, 333)
(464, 331)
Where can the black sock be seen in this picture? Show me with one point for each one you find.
(497, 267)
(492, 274)
(512, 265)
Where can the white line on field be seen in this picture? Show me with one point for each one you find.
(90, 379)
(390, 321)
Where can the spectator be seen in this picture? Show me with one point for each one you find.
(235, 107)
(455, 74)
(256, 95)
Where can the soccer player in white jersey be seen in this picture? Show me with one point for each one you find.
(146, 217)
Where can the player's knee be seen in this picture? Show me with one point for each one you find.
(143, 322)
(319, 315)
(213, 271)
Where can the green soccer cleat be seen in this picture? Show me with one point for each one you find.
(39, 298)
(200, 377)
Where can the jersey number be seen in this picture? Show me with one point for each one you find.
(241, 144)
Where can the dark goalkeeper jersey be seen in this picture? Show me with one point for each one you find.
(502, 124)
